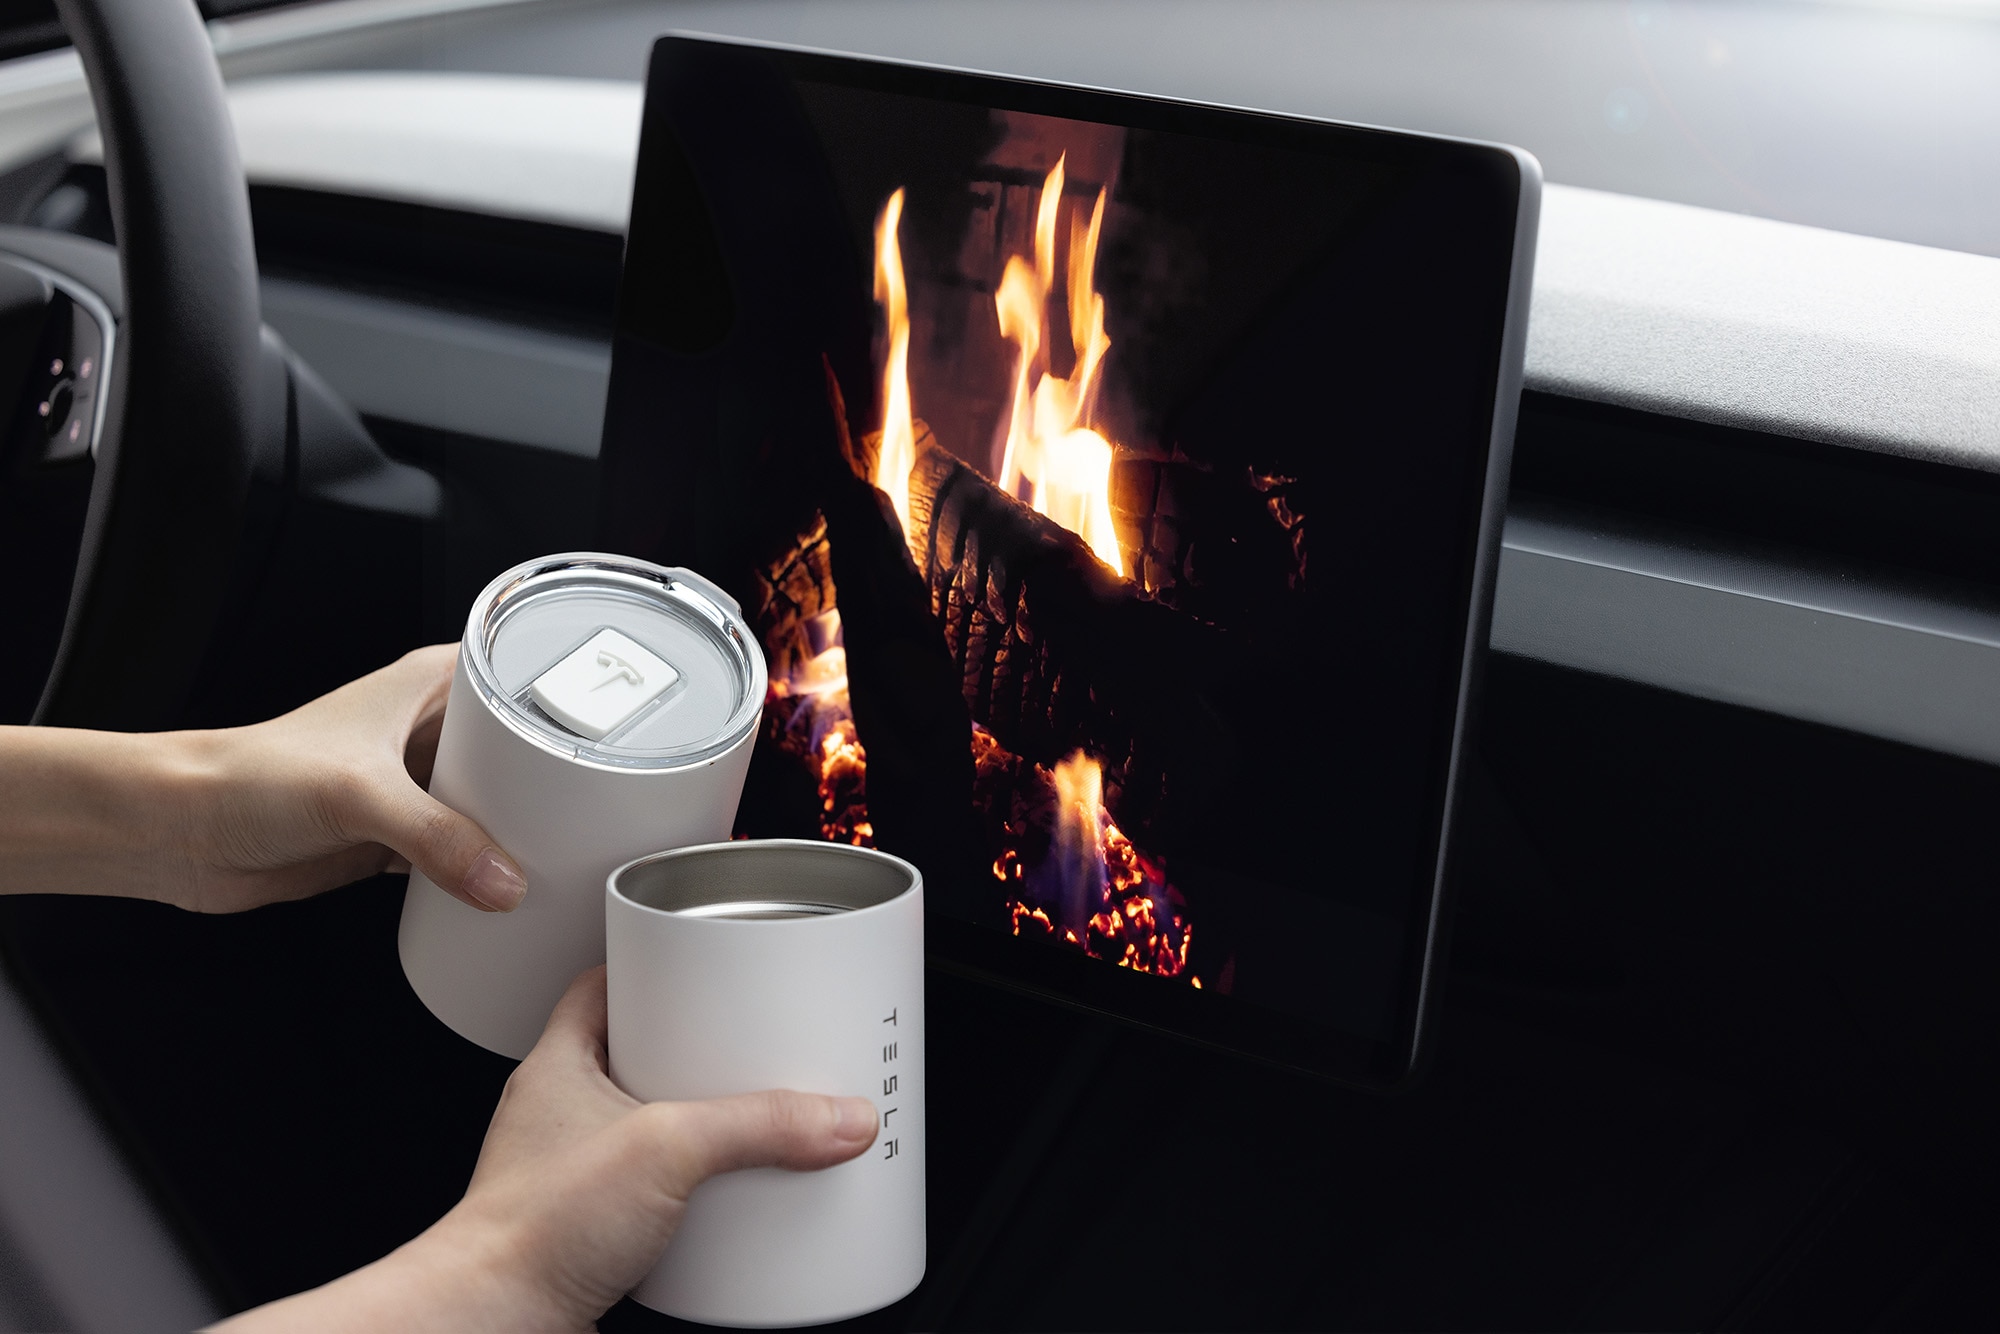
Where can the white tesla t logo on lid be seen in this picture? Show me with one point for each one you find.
(621, 670)
(601, 683)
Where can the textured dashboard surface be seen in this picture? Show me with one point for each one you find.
(1742, 321)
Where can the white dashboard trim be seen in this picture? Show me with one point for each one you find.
(541, 149)
(1720, 317)
(1849, 648)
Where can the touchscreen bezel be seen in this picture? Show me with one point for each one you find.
(1512, 181)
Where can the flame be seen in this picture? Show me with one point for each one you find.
(898, 453)
(1108, 898)
(1049, 443)
(833, 747)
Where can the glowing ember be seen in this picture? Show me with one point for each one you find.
(1092, 888)
(817, 692)
(898, 452)
(1050, 443)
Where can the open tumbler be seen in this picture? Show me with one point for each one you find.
(779, 964)
(603, 707)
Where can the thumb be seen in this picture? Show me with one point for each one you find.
(455, 853)
(692, 1141)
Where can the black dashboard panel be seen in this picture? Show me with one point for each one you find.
(1793, 496)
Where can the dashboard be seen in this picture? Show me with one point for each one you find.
(1758, 460)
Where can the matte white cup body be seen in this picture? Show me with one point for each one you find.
(495, 977)
(706, 1007)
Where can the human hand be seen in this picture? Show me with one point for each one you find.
(220, 821)
(579, 1187)
(328, 794)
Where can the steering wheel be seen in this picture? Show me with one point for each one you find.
(197, 396)
(181, 423)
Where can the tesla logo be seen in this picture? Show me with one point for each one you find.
(891, 1148)
(621, 670)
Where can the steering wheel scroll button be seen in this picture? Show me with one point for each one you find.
(66, 403)
(601, 684)
(56, 407)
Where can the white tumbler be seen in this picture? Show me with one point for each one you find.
(603, 708)
(779, 964)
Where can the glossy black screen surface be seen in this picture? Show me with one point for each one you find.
(1111, 483)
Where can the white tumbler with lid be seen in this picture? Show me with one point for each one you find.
(603, 708)
(779, 964)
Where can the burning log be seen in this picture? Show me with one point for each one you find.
(901, 684)
(1053, 652)
(794, 593)
(864, 699)
(1215, 546)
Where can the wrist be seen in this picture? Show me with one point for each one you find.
(469, 1271)
(84, 812)
(434, 1282)
(452, 1277)
(158, 807)
(179, 786)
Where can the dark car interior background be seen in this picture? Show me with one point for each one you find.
(1715, 1045)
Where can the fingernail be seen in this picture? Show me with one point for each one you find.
(495, 883)
(856, 1119)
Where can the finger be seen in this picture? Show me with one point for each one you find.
(561, 1091)
(453, 851)
(579, 1024)
(411, 689)
(459, 857)
(688, 1142)
(420, 749)
(429, 674)
(430, 668)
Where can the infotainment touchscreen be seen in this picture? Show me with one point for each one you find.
(1114, 484)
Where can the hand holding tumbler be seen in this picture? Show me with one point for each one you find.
(779, 964)
(603, 707)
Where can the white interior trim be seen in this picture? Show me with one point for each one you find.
(554, 150)
(546, 149)
(1720, 317)
(44, 100)
(1845, 647)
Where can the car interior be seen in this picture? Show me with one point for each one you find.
(1710, 1042)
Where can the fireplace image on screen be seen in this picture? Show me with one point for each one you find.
(1071, 563)
(1086, 486)
(986, 540)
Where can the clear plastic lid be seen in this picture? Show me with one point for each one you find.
(540, 629)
